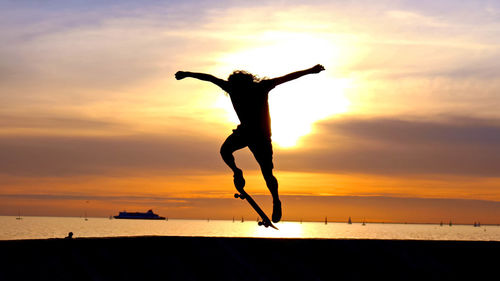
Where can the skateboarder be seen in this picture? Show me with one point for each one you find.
(249, 96)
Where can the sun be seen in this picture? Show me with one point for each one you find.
(294, 106)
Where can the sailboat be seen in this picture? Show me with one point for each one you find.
(349, 221)
(86, 216)
(19, 215)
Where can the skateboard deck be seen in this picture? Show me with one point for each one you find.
(265, 220)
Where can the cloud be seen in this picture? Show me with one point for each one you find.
(79, 51)
(395, 146)
(312, 208)
(53, 122)
(88, 198)
(399, 209)
(73, 48)
(451, 130)
(46, 156)
(445, 145)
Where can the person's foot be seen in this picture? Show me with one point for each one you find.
(239, 181)
(276, 211)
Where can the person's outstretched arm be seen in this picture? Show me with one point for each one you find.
(294, 75)
(201, 76)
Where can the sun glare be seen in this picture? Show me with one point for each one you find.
(295, 106)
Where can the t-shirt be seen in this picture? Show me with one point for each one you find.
(252, 106)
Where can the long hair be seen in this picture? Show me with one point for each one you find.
(241, 77)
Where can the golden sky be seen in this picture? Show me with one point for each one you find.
(92, 119)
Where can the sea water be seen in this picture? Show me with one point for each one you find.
(59, 227)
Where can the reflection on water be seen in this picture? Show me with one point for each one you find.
(54, 227)
(286, 230)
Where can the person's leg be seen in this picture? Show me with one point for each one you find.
(263, 153)
(272, 185)
(233, 142)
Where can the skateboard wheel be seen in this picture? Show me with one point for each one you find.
(236, 195)
(260, 223)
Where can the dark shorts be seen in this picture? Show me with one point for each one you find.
(259, 144)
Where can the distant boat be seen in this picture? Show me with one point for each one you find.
(349, 221)
(149, 215)
(19, 215)
(363, 222)
(85, 216)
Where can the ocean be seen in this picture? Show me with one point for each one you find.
(12, 228)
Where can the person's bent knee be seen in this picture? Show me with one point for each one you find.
(225, 151)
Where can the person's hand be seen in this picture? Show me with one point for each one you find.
(180, 75)
(317, 68)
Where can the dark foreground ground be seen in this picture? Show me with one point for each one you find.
(196, 258)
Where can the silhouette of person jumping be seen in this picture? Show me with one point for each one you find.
(249, 96)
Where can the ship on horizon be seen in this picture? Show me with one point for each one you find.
(149, 215)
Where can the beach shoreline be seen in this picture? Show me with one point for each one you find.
(221, 258)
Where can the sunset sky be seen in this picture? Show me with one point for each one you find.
(404, 124)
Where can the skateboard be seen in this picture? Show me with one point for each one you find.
(265, 220)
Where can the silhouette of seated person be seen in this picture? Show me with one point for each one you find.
(249, 96)
(70, 236)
